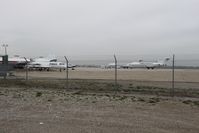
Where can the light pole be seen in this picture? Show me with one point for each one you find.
(5, 46)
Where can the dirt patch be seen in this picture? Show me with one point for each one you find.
(87, 108)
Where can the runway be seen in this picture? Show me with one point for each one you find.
(181, 75)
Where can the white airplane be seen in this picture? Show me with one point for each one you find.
(46, 59)
(131, 65)
(147, 64)
(48, 63)
(17, 61)
(61, 65)
(111, 65)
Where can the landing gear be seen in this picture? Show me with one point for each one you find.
(150, 68)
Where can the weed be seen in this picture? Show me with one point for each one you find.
(49, 100)
(133, 99)
(141, 99)
(154, 100)
(38, 94)
(138, 87)
(122, 98)
(77, 93)
(196, 103)
(187, 102)
(107, 95)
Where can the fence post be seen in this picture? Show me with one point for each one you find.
(5, 63)
(66, 72)
(115, 71)
(26, 68)
(173, 76)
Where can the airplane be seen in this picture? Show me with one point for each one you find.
(152, 65)
(131, 65)
(42, 63)
(61, 65)
(17, 61)
(50, 58)
(147, 64)
(111, 65)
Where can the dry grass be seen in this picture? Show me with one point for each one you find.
(101, 86)
(47, 106)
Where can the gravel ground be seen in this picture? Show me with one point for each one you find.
(38, 110)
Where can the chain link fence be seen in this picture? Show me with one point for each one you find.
(167, 78)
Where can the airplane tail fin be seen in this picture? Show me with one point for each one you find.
(166, 60)
(52, 58)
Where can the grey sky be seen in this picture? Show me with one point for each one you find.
(99, 27)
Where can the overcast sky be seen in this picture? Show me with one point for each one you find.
(99, 27)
